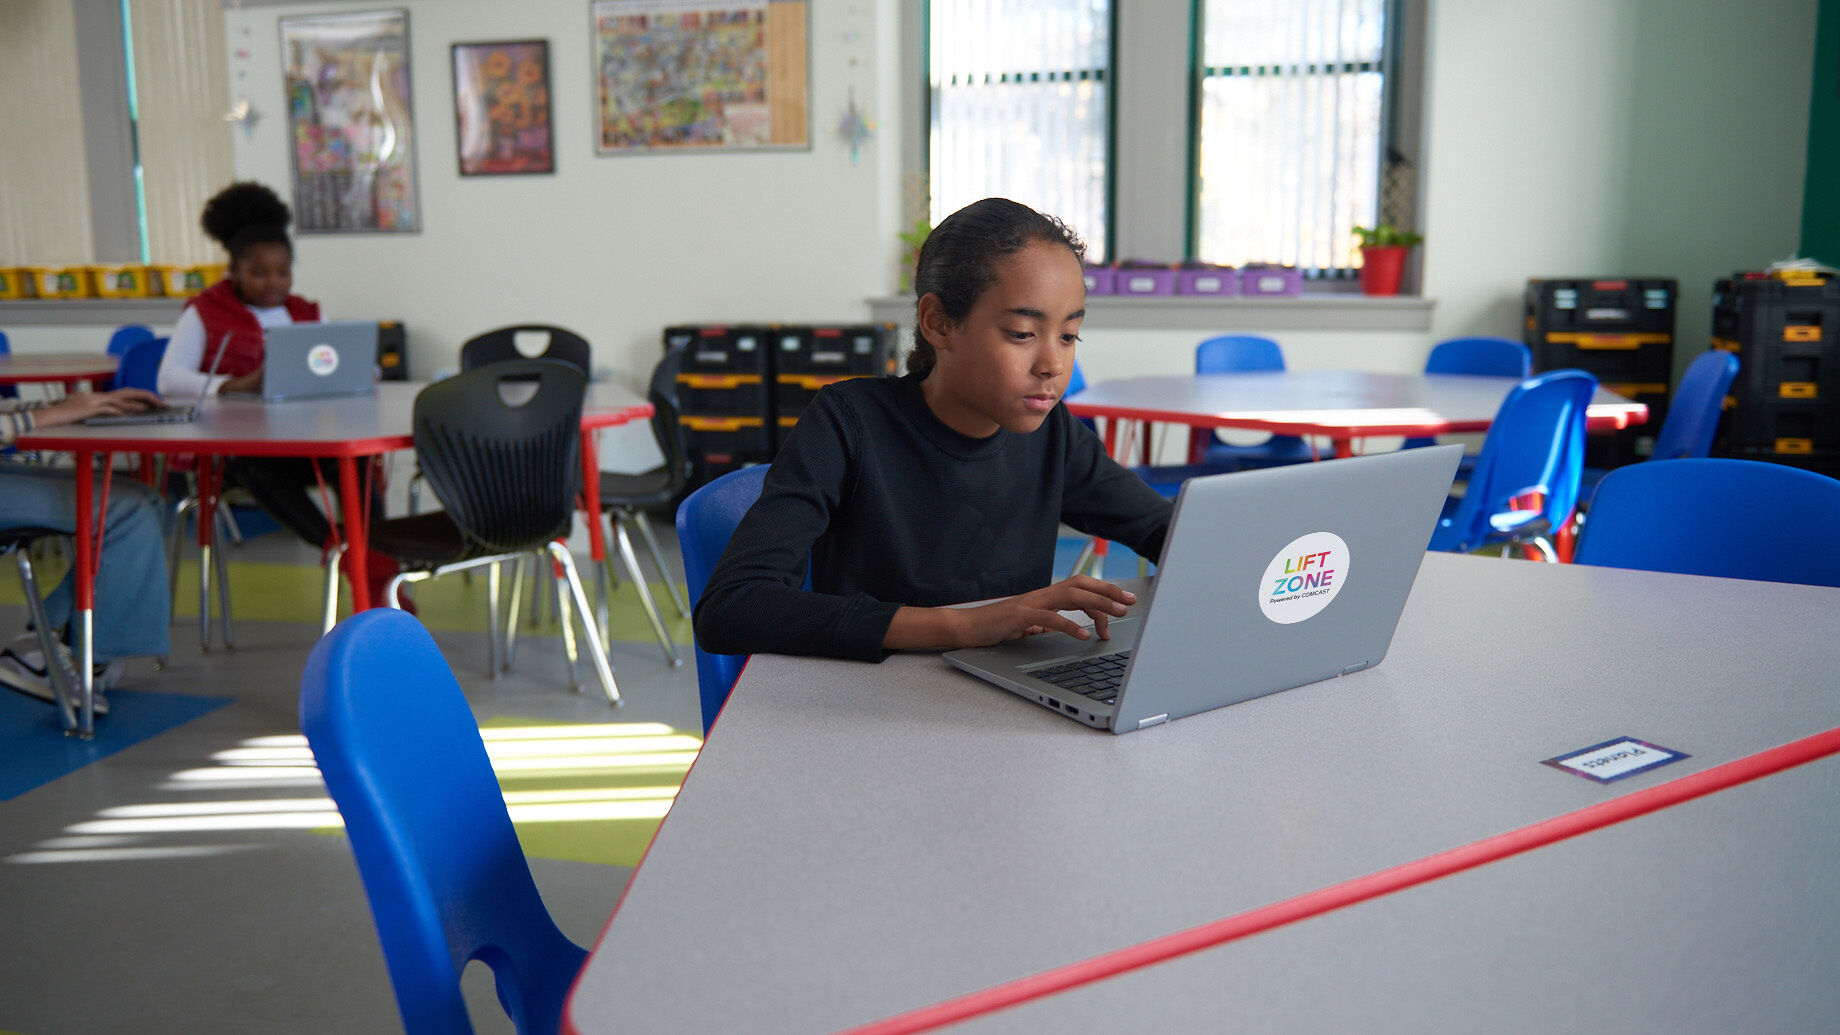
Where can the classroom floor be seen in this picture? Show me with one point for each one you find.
(195, 880)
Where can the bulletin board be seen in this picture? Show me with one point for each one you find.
(699, 75)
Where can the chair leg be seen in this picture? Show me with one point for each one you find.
(1085, 559)
(329, 601)
(492, 651)
(645, 594)
(602, 573)
(204, 599)
(63, 682)
(561, 553)
(568, 631)
(221, 567)
(511, 613)
(644, 525)
(175, 538)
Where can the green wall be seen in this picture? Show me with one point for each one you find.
(1821, 197)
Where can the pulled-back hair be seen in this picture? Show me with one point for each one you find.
(958, 262)
(246, 214)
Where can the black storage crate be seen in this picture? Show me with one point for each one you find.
(858, 349)
(1820, 461)
(1752, 311)
(392, 356)
(1619, 329)
(726, 439)
(722, 349)
(722, 395)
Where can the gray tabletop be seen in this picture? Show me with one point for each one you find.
(859, 840)
(1326, 402)
(1718, 915)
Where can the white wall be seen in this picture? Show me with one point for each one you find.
(615, 248)
(1584, 138)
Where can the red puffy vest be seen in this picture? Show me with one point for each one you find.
(223, 312)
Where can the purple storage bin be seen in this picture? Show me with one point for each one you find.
(1211, 281)
(1100, 280)
(1270, 280)
(1144, 281)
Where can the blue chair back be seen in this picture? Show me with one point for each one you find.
(1693, 413)
(126, 335)
(1485, 356)
(1535, 444)
(6, 391)
(1493, 357)
(705, 521)
(1237, 353)
(447, 881)
(1738, 519)
(140, 365)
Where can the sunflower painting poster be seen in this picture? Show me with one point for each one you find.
(701, 74)
(349, 122)
(501, 107)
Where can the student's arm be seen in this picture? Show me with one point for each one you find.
(753, 602)
(1104, 499)
(181, 368)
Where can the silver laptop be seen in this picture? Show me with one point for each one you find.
(1269, 579)
(317, 360)
(171, 413)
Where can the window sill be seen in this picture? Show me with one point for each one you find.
(79, 312)
(1321, 311)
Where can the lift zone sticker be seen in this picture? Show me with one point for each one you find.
(322, 359)
(1615, 759)
(1304, 576)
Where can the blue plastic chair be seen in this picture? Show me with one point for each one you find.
(1737, 519)
(1481, 356)
(705, 521)
(1246, 353)
(1534, 448)
(126, 335)
(1692, 415)
(6, 391)
(140, 364)
(447, 881)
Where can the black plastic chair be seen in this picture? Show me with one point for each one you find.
(500, 346)
(501, 447)
(76, 710)
(626, 497)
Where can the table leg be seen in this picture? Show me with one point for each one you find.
(83, 621)
(591, 494)
(210, 478)
(357, 536)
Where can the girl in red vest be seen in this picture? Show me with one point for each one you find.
(251, 222)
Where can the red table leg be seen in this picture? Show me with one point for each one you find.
(591, 494)
(357, 536)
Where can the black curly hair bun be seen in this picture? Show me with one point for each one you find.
(246, 213)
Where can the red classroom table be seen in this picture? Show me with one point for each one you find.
(1343, 406)
(70, 369)
(346, 429)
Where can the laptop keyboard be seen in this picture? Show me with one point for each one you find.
(1095, 677)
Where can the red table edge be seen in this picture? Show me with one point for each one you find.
(1361, 889)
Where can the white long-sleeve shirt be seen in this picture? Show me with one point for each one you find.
(182, 367)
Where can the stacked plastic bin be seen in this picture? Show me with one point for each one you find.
(1785, 329)
(722, 397)
(805, 359)
(1620, 329)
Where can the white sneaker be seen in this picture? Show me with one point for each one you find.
(22, 669)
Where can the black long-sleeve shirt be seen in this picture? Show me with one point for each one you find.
(894, 508)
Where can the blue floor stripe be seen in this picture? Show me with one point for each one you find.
(34, 750)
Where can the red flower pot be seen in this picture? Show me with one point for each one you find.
(1381, 268)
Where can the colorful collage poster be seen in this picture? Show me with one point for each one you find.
(351, 127)
(501, 107)
(692, 74)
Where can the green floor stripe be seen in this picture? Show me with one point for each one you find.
(269, 592)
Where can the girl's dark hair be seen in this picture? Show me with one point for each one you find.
(959, 260)
(245, 214)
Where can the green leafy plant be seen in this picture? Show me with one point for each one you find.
(910, 254)
(1386, 235)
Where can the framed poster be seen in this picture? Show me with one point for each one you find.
(501, 108)
(350, 122)
(684, 75)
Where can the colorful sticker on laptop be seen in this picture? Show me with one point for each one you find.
(322, 360)
(1304, 576)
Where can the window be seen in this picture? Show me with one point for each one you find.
(1020, 101)
(1289, 130)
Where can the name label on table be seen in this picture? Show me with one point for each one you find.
(1615, 759)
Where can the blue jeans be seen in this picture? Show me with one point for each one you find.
(133, 600)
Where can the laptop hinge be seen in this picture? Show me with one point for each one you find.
(1153, 720)
(1356, 667)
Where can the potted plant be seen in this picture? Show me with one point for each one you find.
(1383, 257)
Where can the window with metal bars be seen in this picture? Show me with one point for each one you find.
(1290, 131)
(1020, 95)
